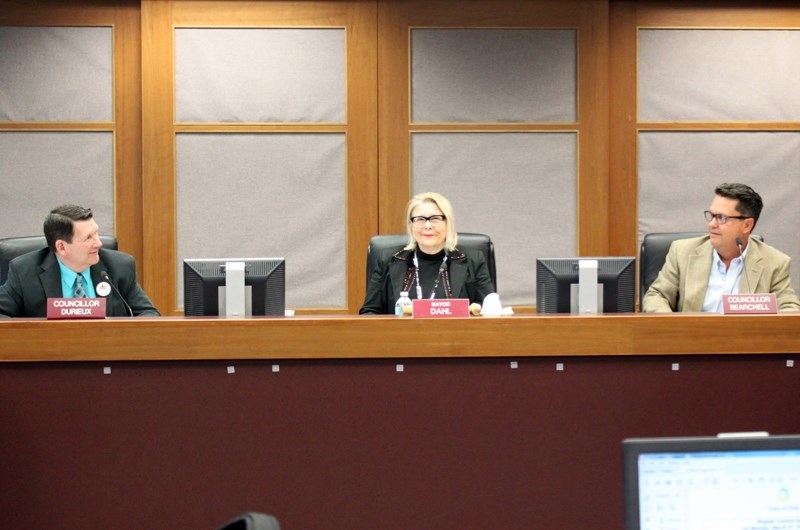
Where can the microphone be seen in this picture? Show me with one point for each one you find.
(104, 275)
(443, 270)
(744, 270)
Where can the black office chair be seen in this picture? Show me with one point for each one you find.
(252, 521)
(382, 247)
(11, 247)
(653, 255)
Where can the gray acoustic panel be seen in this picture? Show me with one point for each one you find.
(56, 74)
(678, 172)
(719, 75)
(267, 195)
(260, 75)
(494, 75)
(42, 170)
(519, 188)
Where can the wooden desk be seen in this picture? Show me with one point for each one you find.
(368, 422)
(375, 337)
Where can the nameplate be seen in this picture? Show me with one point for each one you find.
(747, 304)
(447, 308)
(64, 308)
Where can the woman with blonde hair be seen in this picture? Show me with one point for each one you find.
(431, 265)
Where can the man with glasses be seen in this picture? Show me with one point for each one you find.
(698, 271)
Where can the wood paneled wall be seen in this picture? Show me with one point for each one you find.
(159, 20)
(591, 20)
(124, 17)
(378, 164)
(627, 16)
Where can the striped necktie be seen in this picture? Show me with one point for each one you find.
(79, 292)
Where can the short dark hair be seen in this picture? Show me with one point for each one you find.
(58, 223)
(750, 203)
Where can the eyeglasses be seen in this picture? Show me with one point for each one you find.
(435, 220)
(722, 218)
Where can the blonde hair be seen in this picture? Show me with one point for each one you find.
(451, 236)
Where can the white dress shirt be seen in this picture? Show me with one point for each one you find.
(722, 281)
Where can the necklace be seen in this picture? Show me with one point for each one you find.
(442, 273)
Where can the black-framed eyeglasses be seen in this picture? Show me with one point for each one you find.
(420, 220)
(722, 218)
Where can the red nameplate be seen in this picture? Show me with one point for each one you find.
(453, 307)
(746, 304)
(61, 308)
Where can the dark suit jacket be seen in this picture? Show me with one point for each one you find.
(469, 278)
(34, 277)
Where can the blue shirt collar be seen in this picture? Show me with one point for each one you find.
(68, 280)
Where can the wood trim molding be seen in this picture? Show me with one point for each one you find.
(158, 155)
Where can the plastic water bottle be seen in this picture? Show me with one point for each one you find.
(402, 302)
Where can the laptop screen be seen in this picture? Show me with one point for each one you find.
(750, 483)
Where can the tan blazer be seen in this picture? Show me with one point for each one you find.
(681, 285)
